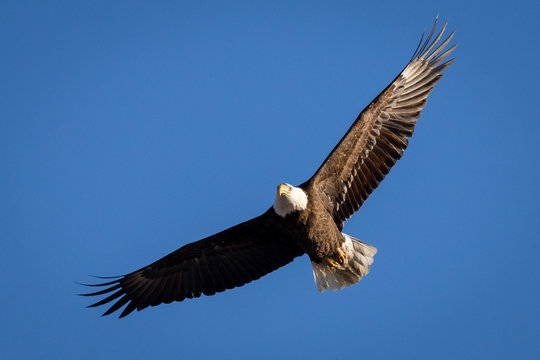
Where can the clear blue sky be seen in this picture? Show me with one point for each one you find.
(131, 128)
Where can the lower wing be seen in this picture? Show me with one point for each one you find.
(228, 259)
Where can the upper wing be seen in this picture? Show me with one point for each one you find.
(377, 138)
(222, 261)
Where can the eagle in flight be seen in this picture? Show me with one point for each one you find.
(305, 219)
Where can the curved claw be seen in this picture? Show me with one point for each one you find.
(338, 261)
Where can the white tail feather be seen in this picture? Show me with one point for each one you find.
(359, 259)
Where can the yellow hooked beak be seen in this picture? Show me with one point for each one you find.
(284, 189)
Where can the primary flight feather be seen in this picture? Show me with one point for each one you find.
(307, 219)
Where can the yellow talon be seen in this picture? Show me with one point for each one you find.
(331, 262)
(341, 257)
(337, 261)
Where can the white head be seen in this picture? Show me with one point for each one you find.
(289, 199)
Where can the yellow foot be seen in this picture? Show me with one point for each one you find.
(331, 262)
(338, 260)
(341, 257)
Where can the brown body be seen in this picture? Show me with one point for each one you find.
(319, 235)
(249, 250)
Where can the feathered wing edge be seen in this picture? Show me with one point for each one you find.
(378, 137)
(229, 259)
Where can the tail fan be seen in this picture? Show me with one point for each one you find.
(359, 259)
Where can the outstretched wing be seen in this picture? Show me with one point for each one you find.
(378, 137)
(222, 261)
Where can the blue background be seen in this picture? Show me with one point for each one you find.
(131, 128)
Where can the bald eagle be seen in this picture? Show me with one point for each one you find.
(305, 219)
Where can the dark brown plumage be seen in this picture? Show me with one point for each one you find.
(308, 219)
(378, 137)
(228, 259)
